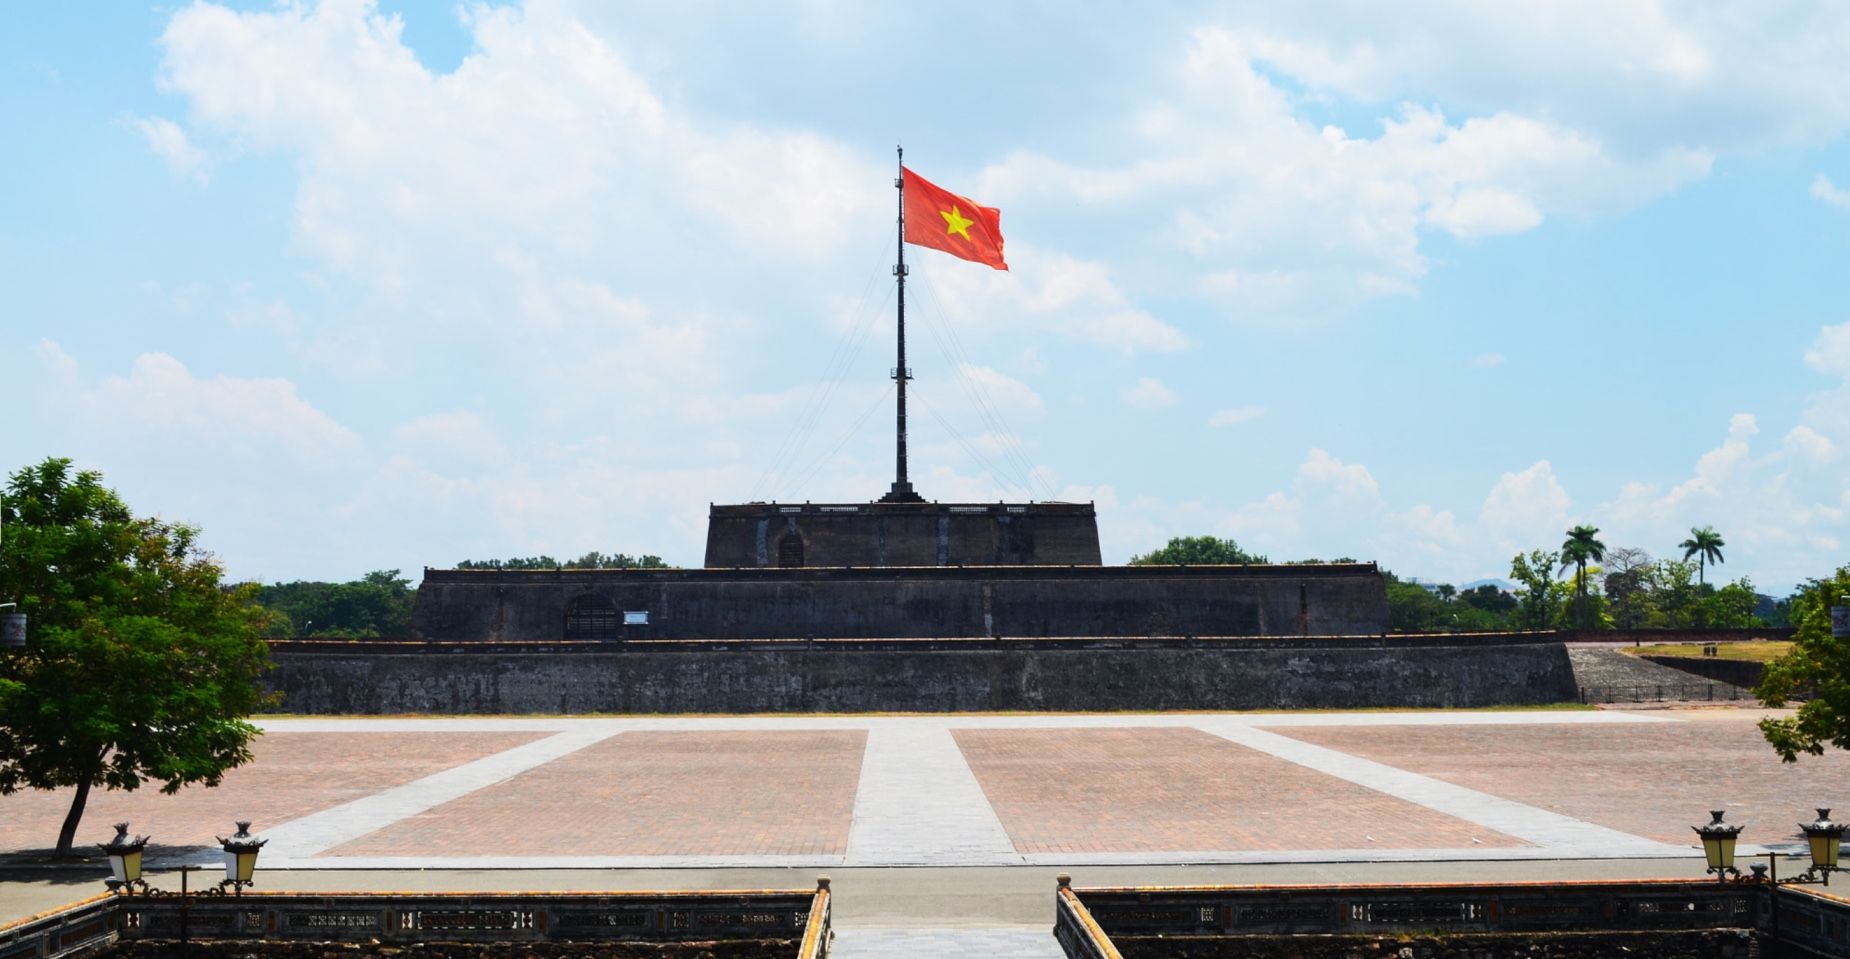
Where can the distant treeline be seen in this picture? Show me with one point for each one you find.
(377, 604)
(1631, 590)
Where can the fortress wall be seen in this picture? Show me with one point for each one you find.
(905, 534)
(530, 606)
(1271, 676)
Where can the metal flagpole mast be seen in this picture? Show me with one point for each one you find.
(902, 490)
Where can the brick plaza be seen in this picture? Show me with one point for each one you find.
(977, 790)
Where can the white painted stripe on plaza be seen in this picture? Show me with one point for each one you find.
(1548, 830)
(316, 832)
(919, 804)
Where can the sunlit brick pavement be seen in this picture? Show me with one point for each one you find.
(292, 775)
(1116, 790)
(788, 793)
(975, 790)
(1653, 780)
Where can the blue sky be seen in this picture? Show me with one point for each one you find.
(357, 285)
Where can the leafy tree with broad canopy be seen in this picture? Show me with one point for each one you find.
(140, 666)
(1197, 551)
(1541, 592)
(1818, 667)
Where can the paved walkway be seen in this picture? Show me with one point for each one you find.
(829, 792)
(1007, 942)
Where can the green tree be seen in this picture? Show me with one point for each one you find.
(1490, 600)
(1705, 545)
(1674, 596)
(1197, 551)
(1818, 668)
(1412, 608)
(1731, 607)
(1582, 547)
(1625, 581)
(1541, 593)
(140, 665)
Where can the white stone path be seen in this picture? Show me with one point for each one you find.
(320, 831)
(1004, 942)
(918, 803)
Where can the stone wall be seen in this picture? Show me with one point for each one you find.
(895, 676)
(902, 534)
(267, 949)
(680, 924)
(1744, 673)
(1017, 601)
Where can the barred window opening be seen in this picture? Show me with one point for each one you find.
(592, 617)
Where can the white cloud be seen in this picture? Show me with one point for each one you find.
(1487, 360)
(169, 142)
(1483, 212)
(1824, 189)
(1830, 354)
(1350, 483)
(540, 141)
(1277, 215)
(1236, 415)
(1073, 298)
(455, 436)
(161, 409)
(1644, 76)
(57, 364)
(162, 401)
(1149, 395)
(1526, 509)
(1810, 445)
(1010, 396)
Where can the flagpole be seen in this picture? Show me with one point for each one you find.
(902, 490)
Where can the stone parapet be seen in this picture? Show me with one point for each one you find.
(1328, 673)
(743, 924)
(997, 601)
(1643, 918)
(902, 534)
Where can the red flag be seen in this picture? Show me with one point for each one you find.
(942, 220)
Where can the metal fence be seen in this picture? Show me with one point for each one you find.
(1797, 920)
(1665, 693)
(662, 918)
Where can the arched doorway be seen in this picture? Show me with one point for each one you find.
(790, 551)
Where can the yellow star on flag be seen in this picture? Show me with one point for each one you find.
(956, 222)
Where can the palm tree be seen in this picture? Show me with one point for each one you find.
(1706, 545)
(1582, 546)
